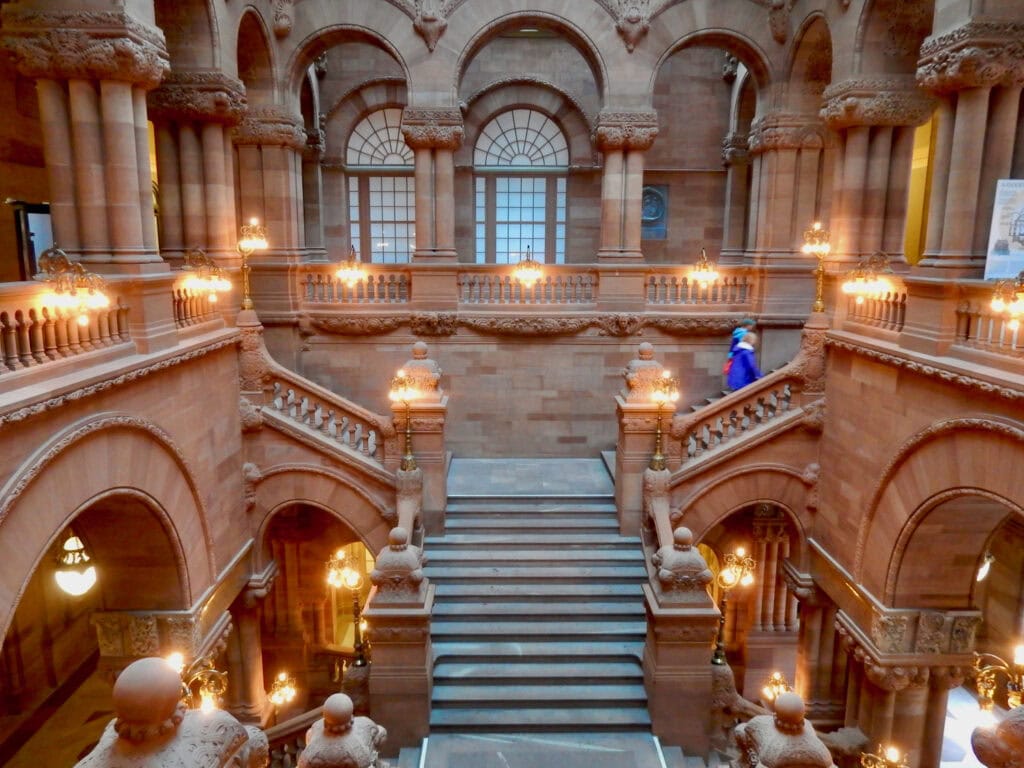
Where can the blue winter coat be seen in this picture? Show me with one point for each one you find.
(744, 368)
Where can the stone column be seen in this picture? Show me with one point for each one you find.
(941, 681)
(623, 137)
(736, 159)
(248, 688)
(56, 124)
(963, 66)
(312, 194)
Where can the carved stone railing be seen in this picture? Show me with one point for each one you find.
(32, 334)
(192, 307)
(288, 739)
(978, 327)
(664, 288)
(480, 287)
(377, 287)
(886, 312)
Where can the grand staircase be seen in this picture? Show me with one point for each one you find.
(538, 622)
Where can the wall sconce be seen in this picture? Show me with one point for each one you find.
(890, 757)
(704, 271)
(212, 683)
(987, 669)
(528, 271)
(340, 573)
(737, 570)
(75, 573)
(253, 238)
(75, 289)
(868, 279)
(775, 686)
(403, 389)
(204, 275)
(985, 567)
(817, 244)
(351, 272)
(1008, 299)
(666, 390)
(283, 690)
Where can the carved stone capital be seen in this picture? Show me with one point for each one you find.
(782, 130)
(271, 126)
(735, 149)
(283, 10)
(432, 127)
(895, 678)
(977, 54)
(892, 100)
(85, 45)
(208, 96)
(625, 130)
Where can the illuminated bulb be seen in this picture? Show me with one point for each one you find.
(83, 320)
(212, 297)
(1014, 324)
(747, 580)
(208, 702)
(176, 661)
(860, 300)
(740, 551)
(998, 305)
(76, 583)
(1018, 656)
(729, 577)
(892, 754)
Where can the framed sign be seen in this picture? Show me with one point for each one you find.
(1005, 255)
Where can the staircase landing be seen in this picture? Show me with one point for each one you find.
(497, 478)
(572, 750)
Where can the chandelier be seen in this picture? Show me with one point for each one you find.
(1008, 299)
(528, 271)
(74, 288)
(988, 667)
(869, 279)
(351, 272)
(205, 276)
(704, 271)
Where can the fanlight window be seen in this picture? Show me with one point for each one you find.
(521, 138)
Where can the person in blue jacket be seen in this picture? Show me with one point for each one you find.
(744, 368)
(746, 326)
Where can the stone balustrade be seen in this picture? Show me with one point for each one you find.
(288, 739)
(192, 307)
(386, 287)
(670, 288)
(979, 328)
(561, 288)
(886, 312)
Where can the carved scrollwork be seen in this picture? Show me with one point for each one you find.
(876, 101)
(780, 130)
(527, 326)
(692, 326)
(198, 96)
(271, 125)
(356, 326)
(976, 54)
(625, 130)
(735, 149)
(434, 323)
(432, 127)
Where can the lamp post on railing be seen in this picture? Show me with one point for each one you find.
(889, 757)
(253, 238)
(340, 573)
(202, 672)
(816, 243)
(737, 570)
(666, 390)
(403, 390)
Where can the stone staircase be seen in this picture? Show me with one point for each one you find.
(538, 622)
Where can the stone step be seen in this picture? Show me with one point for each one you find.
(568, 672)
(527, 592)
(409, 757)
(514, 509)
(457, 499)
(537, 695)
(537, 651)
(548, 610)
(498, 557)
(545, 541)
(548, 574)
(550, 719)
(537, 630)
(568, 525)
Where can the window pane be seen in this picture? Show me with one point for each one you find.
(378, 140)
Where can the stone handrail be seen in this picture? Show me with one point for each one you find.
(32, 334)
(377, 287)
(978, 327)
(674, 288)
(288, 739)
(558, 286)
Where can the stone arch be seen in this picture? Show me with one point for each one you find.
(255, 57)
(357, 103)
(191, 33)
(530, 93)
(956, 457)
(743, 104)
(889, 36)
(712, 502)
(325, 489)
(562, 26)
(809, 68)
(109, 458)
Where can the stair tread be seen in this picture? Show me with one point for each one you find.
(554, 609)
(598, 504)
(540, 693)
(544, 716)
(548, 523)
(578, 591)
(450, 671)
(628, 570)
(534, 555)
(525, 539)
(538, 648)
(535, 629)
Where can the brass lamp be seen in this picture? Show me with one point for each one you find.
(211, 682)
(666, 390)
(204, 275)
(817, 244)
(889, 757)
(74, 288)
(75, 572)
(253, 238)
(737, 571)
(775, 686)
(283, 690)
(528, 271)
(351, 272)
(403, 390)
(869, 279)
(341, 573)
(1008, 299)
(704, 271)
(988, 668)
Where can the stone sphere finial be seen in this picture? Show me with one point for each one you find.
(683, 538)
(398, 537)
(147, 699)
(646, 350)
(338, 711)
(789, 712)
(419, 350)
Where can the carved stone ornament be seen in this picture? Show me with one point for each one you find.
(434, 323)
(250, 416)
(625, 130)
(251, 477)
(527, 326)
(253, 365)
(641, 374)
(680, 568)
(976, 54)
(735, 149)
(781, 130)
(782, 739)
(423, 373)
(283, 17)
(430, 22)
(894, 100)
(692, 326)
(432, 127)
(271, 125)
(398, 572)
(1001, 746)
(340, 739)
(356, 326)
(85, 45)
(618, 324)
(778, 19)
(895, 678)
(888, 632)
(809, 363)
(198, 97)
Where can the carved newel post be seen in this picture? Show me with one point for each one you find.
(782, 740)
(154, 728)
(339, 740)
(681, 625)
(1002, 745)
(398, 616)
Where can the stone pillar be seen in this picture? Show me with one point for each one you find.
(56, 124)
(623, 137)
(270, 141)
(941, 681)
(248, 688)
(736, 159)
(334, 209)
(967, 66)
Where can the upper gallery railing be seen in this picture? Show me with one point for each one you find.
(978, 327)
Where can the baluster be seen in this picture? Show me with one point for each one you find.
(291, 403)
(277, 398)
(122, 321)
(353, 437)
(651, 289)
(103, 322)
(318, 417)
(691, 445)
(36, 344)
(717, 432)
(49, 336)
(734, 423)
(117, 333)
(772, 405)
(24, 345)
(371, 445)
(10, 342)
(60, 331)
(748, 417)
(74, 335)
(304, 410)
(343, 431)
(332, 426)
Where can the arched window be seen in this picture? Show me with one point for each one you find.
(520, 162)
(381, 196)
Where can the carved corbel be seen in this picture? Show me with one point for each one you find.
(251, 477)
(283, 17)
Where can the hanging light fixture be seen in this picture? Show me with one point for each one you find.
(985, 567)
(528, 271)
(869, 279)
(817, 243)
(351, 272)
(253, 237)
(75, 289)
(1008, 299)
(775, 686)
(75, 574)
(205, 276)
(704, 272)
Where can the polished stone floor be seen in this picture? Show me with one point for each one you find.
(529, 477)
(540, 750)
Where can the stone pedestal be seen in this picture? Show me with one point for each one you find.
(633, 451)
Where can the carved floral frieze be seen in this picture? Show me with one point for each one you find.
(432, 127)
(625, 130)
(976, 54)
(782, 130)
(271, 125)
(207, 96)
(876, 101)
